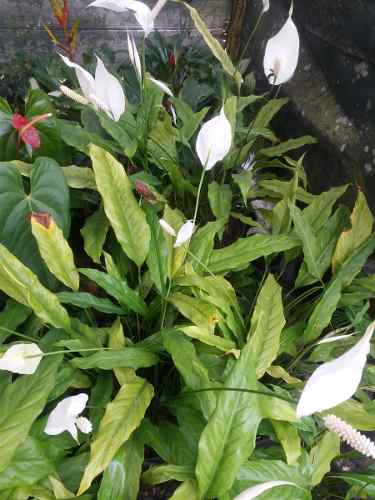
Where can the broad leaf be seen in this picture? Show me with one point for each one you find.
(129, 357)
(220, 198)
(122, 209)
(266, 325)
(322, 454)
(309, 241)
(122, 416)
(22, 403)
(49, 193)
(94, 234)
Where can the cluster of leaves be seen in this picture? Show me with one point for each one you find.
(193, 357)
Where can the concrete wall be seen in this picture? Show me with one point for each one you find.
(21, 23)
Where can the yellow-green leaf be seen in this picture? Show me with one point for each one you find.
(94, 234)
(289, 439)
(54, 249)
(322, 455)
(122, 416)
(214, 45)
(362, 222)
(120, 205)
(198, 311)
(266, 325)
(17, 281)
(188, 490)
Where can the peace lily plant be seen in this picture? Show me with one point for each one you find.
(176, 306)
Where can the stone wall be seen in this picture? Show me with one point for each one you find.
(21, 23)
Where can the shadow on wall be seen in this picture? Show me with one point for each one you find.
(333, 89)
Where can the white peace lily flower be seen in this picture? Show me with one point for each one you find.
(281, 56)
(21, 358)
(167, 228)
(142, 12)
(134, 56)
(161, 86)
(336, 381)
(184, 234)
(214, 140)
(66, 417)
(257, 490)
(328, 340)
(266, 5)
(104, 91)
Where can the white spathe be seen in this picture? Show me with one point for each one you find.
(214, 140)
(184, 234)
(104, 91)
(66, 417)
(162, 86)
(266, 5)
(142, 12)
(257, 490)
(282, 52)
(134, 56)
(21, 358)
(336, 381)
(167, 228)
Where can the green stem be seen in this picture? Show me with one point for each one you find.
(67, 351)
(198, 195)
(26, 337)
(237, 389)
(251, 36)
(201, 263)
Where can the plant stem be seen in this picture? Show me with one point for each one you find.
(237, 389)
(67, 351)
(18, 334)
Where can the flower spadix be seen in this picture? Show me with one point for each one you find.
(66, 417)
(214, 140)
(184, 233)
(282, 52)
(142, 12)
(257, 490)
(336, 381)
(104, 91)
(21, 358)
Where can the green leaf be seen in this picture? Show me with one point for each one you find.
(117, 129)
(122, 209)
(118, 289)
(245, 250)
(198, 311)
(130, 357)
(322, 454)
(188, 490)
(12, 316)
(22, 402)
(163, 473)
(55, 250)
(202, 245)
(320, 208)
(355, 414)
(190, 120)
(309, 242)
(361, 228)
(28, 466)
(214, 45)
(286, 146)
(122, 416)
(289, 439)
(48, 193)
(220, 198)
(121, 477)
(266, 325)
(260, 471)
(86, 300)
(94, 234)
(207, 337)
(21, 284)
(157, 259)
(267, 112)
(222, 447)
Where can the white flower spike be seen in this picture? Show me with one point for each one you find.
(21, 358)
(162, 86)
(184, 234)
(351, 436)
(134, 56)
(167, 228)
(336, 381)
(104, 91)
(257, 490)
(282, 52)
(66, 417)
(214, 140)
(142, 12)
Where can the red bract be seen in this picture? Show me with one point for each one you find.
(171, 59)
(26, 132)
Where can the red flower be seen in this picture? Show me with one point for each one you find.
(26, 132)
(171, 59)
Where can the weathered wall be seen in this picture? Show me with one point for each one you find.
(21, 23)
